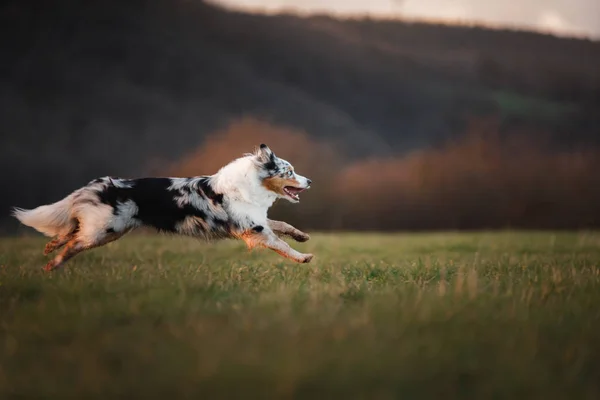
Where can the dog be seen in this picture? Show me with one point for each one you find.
(232, 203)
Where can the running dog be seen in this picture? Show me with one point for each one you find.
(232, 203)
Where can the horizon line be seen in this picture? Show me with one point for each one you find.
(399, 17)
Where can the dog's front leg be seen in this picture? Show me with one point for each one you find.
(283, 228)
(266, 238)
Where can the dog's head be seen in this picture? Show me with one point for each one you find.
(278, 175)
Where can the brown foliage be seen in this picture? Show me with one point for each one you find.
(482, 180)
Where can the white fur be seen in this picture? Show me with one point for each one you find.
(97, 220)
(123, 220)
(247, 199)
(51, 220)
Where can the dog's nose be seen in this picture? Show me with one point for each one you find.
(308, 181)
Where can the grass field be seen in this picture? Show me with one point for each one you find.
(477, 315)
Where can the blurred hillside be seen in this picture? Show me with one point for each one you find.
(106, 87)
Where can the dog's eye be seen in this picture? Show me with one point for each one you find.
(290, 173)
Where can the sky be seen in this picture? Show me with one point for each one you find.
(561, 17)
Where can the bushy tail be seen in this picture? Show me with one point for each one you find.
(51, 220)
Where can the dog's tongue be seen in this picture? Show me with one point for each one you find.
(294, 190)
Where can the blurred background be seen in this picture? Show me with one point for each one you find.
(407, 115)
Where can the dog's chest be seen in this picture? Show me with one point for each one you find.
(246, 215)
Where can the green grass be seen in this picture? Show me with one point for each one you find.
(482, 315)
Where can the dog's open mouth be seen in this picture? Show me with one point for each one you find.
(293, 192)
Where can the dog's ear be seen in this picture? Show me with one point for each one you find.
(264, 154)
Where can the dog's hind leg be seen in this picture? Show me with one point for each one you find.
(59, 242)
(283, 228)
(72, 248)
(266, 238)
(55, 244)
(80, 242)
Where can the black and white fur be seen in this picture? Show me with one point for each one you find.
(232, 203)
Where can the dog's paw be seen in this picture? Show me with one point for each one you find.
(306, 259)
(49, 267)
(48, 249)
(301, 237)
